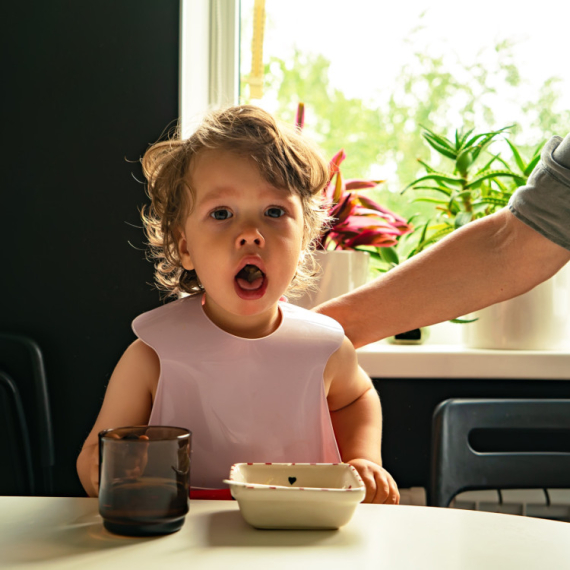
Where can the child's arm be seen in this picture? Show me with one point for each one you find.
(357, 421)
(128, 402)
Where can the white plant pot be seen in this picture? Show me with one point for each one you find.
(536, 320)
(342, 271)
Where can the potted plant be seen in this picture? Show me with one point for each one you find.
(478, 183)
(359, 229)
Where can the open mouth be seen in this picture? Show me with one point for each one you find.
(250, 278)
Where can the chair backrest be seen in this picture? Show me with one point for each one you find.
(17, 474)
(22, 360)
(457, 466)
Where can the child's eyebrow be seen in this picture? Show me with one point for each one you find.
(218, 194)
(225, 192)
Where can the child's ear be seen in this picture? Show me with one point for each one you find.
(183, 252)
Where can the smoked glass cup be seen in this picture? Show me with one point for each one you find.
(144, 479)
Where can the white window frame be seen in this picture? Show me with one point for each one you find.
(209, 58)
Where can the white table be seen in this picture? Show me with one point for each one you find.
(61, 533)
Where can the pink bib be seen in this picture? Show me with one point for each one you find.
(245, 400)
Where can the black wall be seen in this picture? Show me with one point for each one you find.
(86, 86)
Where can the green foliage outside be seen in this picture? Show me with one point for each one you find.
(432, 93)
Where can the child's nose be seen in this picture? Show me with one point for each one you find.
(250, 235)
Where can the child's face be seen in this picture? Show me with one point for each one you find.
(239, 220)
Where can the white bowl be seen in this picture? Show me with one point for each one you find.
(296, 495)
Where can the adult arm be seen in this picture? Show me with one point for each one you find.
(127, 402)
(487, 261)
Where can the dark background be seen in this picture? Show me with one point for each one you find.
(86, 87)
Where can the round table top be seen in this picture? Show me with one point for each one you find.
(57, 532)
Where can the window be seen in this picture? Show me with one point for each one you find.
(371, 73)
(209, 58)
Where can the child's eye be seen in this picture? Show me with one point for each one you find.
(275, 212)
(221, 214)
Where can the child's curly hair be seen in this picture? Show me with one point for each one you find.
(286, 159)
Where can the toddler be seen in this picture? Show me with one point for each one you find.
(234, 211)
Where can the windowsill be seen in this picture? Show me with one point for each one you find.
(444, 356)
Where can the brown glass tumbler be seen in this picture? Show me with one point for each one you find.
(144, 479)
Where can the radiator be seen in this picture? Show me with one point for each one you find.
(413, 496)
(551, 504)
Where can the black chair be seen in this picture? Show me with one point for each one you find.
(17, 476)
(21, 360)
(499, 444)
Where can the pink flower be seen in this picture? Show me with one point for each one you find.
(356, 219)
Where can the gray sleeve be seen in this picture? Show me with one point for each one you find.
(544, 202)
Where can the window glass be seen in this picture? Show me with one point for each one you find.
(372, 73)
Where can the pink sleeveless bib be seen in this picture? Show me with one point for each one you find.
(245, 400)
